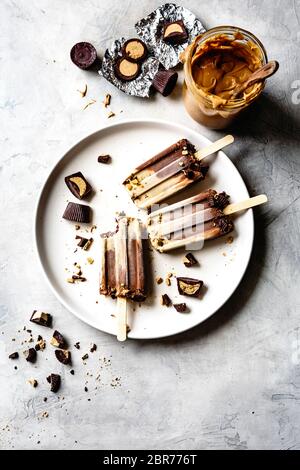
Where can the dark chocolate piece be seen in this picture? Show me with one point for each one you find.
(77, 213)
(189, 286)
(104, 158)
(224, 223)
(78, 185)
(58, 341)
(164, 81)
(181, 308)
(41, 318)
(165, 300)
(85, 357)
(220, 200)
(175, 32)
(77, 345)
(126, 70)
(63, 356)
(189, 260)
(54, 381)
(84, 243)
(83, 54)
(135, 50)
(14, 355)
(72, 371)
(93, 348)
(30, 355)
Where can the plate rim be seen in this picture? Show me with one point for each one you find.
(122, 122)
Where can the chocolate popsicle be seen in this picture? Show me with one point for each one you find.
(170, 171)
(199, 218)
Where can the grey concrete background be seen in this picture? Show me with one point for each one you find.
(233, 382)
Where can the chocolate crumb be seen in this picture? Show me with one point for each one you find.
(158, 280)
(85, 356)
(14, 355)
(93, 348)
(181, 308)
(30, 355)
(55, 381)
(86, 389)
(72, 372)
(165, 300)
(77, 345)
(189, 260)
(104, 158)
(33, 382)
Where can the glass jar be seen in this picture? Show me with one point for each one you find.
(204, 107)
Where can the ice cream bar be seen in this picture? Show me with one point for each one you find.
(199, 218)
(170, 171)
(122, 265)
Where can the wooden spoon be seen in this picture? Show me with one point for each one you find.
(260, 74)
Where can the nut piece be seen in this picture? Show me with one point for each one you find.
(165, 300)
(63, 356)
(41, 318)
(33, 382)
(14, 355)
(107, 100)
(181, 308)
(189, 286)
(58, 341)
(30, 355)
(158, 280)
(41, 344)
(104, 158)
(189, 260)
(54, 380)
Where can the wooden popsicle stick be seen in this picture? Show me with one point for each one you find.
(214, 147)
(247, 204)
(121, 318)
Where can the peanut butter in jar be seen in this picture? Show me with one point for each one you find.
(215, 64)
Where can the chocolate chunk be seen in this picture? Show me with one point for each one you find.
(126, 70)
(85, 357)
(77, 345)
(93, 348)
(189, 260)
(220, 200)
(175, 32)
(63, 356)
(135, 50)
(164, 81)
(58, 341)
(14, 355)
(225, 224)
(77, 213)
(84, 243)
(41, 318)
(78, 185)
(104, 158)
(189, 286)
(54, 381)
(181, 308)
(83, 54)
(165, 300)
(30, 355)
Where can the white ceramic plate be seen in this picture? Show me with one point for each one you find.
(221, 265)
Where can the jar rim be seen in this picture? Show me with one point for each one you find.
(223, 29)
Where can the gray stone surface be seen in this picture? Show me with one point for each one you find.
(233, 382)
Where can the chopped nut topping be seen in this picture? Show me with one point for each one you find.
(107, 100)
(89, 104)
(158, 280)
(110, 114)
(90, 260)
(33, 382)
(83, 92)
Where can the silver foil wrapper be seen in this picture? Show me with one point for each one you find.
(150, 30)
(138, 87)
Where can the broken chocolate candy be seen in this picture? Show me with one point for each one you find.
(84, 243)
(41, 318)
(14, 355)
(189, 260)
(135, 50)
(225, 224)
(54, 381)
(220, 200)
(78, 185)
(58, 341)
(165, 300)
(181, 308)
(175, 32)
(104, 158)
(33, 382)
(126, 70)
(30, 355)
(41, 344)
(77, 213)
(83, 54)
(189, 286)
(63, 356)
(165, 81)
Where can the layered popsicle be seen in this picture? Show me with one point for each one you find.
(199, 218)
(122, 261)
(170, 171)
